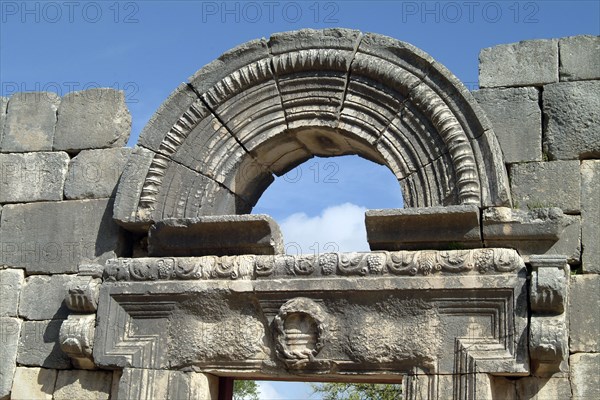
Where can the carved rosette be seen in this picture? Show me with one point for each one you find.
(373, 264)
(76, 339)
(548, 334)
(300, 328)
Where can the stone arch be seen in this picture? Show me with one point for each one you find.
(268, 105)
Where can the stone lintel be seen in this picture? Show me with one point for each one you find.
(366, 315)
(424, 228)
(215, 235)
(542, 231)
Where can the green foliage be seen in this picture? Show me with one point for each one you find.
(537, 204)
(455, 246)
(245, 390)
(358, 391)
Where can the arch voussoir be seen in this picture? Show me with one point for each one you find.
(268, 105)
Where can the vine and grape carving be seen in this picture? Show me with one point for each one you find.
(403, 263)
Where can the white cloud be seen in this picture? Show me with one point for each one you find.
(281, 390)
(337, 228)
(267, 391)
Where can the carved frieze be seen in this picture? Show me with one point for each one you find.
(382, 263)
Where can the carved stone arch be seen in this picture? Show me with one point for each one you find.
(266, 106)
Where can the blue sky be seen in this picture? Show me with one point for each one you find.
(147, 48)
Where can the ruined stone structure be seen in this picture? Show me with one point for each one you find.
(138, 273)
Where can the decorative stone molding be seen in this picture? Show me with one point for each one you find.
(76, 339)
(373, 264)
(83, 294)
(363, 319)
(396, 106)
(548, 334)
(300, 329)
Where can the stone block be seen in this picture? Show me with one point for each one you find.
(3, 106)
(32, 176)
(449, 227)
(546, 184)
(583, 313)
(33, 384)
(39, 345)
(43, 297)
(216, 235)
(517, 120)
(93, 174)
(76, 384)
(534, 388)
(526, 63)
(163, 385)
(579, 57)
(11, 283)
(10, 329)
(590, 215)
(572, 115)
(55, 237)
(92, 119)
(30, 122)
(536, 232)
(585, 370)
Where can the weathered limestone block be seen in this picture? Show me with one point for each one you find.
(548, 329)
(93, 174)
(216, 235)
(33, 384)
(583, 313)
(526, 63)
(11, 283)
(517, 120)
(92, 119)
(83, 293)
(55, 237)
(3, 106)
(10, 329)
(166, 116)
(423, 228)
(32, 176)
(590, 215)
(534, 388)
(77, 339)
(548, 288)
(503, 388)
(546, 184)
(148, 384)
(39, 345)
(43, 297)
(572, 110)
(585, 369)
(579, 57)
(138, 202)
(76, 384)
(539, 231)
(30, 122)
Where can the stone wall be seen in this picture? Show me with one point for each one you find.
(543, 99)
(60, 161)
(61, 158)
